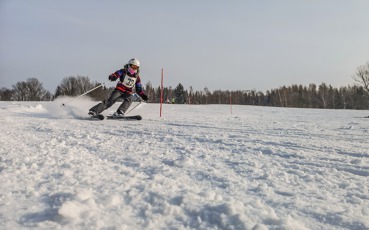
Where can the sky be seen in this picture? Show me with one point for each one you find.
(227, 45)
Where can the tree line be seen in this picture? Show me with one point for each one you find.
(299, 96)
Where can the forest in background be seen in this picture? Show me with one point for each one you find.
(298, 96)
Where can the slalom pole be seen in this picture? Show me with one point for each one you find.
(83, 94)
(230, 101)
(162, 92)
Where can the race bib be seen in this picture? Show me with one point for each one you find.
(129, 82)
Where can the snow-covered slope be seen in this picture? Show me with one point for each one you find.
(197, 167)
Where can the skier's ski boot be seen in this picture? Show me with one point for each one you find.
(118, 114)
(92, 113)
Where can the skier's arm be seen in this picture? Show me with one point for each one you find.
(116, 75)
(139, 89)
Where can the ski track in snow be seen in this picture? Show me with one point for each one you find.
(197, 167)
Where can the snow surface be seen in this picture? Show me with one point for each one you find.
(197, 167)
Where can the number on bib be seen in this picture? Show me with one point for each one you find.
(129, 81)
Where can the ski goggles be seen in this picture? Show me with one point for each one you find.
(134, 67)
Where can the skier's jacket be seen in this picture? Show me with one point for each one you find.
(127, 81)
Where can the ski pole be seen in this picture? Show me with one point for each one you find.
(135, 95)
(84, 93)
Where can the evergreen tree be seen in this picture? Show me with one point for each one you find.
(179, 93)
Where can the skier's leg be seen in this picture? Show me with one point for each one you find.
(107, 103)
(127, 101)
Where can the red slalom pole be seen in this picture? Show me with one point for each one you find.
(162, 91)
(230, 101)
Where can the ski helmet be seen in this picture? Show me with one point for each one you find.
(134, 61)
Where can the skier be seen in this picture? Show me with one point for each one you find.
(128, 78)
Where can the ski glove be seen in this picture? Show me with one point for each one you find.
(144, 97)
(112, 78)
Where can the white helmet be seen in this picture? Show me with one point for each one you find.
(134, 61)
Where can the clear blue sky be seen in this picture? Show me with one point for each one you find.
(260, 44)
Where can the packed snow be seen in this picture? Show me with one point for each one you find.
(196, 167)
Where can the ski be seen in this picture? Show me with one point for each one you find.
(135, 117)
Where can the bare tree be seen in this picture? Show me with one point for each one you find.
(20, 91)
(6, 94)
(362, 76)
(73, 86)
(35, 90)
(30, 90)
